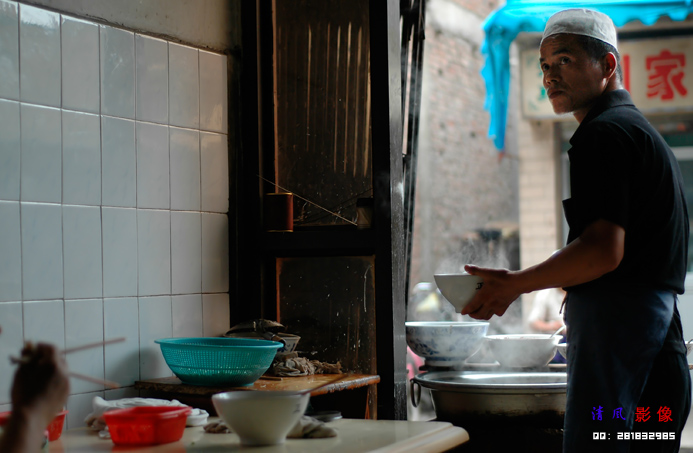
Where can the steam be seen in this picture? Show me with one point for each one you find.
(475, 251)
(495, 253)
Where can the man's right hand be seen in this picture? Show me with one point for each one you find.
(494, 298)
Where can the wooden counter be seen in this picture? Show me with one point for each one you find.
(356, 404)
(353, 436)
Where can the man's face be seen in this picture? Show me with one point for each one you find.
(573, 81)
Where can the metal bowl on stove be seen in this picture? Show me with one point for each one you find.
(532, 398)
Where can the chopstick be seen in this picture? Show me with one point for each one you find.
(109, 384)
(96, 344)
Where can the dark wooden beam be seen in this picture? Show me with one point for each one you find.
(247, 284)
(386, 108)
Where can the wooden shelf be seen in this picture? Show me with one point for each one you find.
(174, 385)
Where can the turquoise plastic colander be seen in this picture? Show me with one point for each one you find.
(218, 361)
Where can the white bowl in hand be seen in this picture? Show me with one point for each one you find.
(261, 417)
(458, 289)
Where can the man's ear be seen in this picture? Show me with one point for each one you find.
(609, 65)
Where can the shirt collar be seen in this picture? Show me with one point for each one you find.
(606, 101)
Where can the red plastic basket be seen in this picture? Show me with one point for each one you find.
(146, 425)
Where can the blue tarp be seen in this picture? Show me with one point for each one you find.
(503, 25)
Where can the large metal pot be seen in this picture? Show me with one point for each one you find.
(462, 397)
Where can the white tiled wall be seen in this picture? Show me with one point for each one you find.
(113, 196)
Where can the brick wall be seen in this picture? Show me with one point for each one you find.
(540, 212)
(481, 8)
(539, 191)
(463, 182)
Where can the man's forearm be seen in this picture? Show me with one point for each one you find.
(597, 251)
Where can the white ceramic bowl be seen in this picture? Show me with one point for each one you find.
(458, 289)
(523, 350)
(445, 343)
(260, 417)
(563, 349)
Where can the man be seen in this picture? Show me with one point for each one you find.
(625, 260)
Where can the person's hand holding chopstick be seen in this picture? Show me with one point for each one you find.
(41, 384)
(39, 391)
(109, 384)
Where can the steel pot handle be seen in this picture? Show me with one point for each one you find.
(415, 400)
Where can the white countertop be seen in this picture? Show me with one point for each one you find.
(354, 436)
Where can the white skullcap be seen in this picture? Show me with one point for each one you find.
(584, 22)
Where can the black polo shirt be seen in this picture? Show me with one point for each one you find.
(622, 170)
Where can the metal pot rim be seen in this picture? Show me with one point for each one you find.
(492, 382)
(445, 323)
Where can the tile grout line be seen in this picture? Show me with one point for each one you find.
(137, 217)
(19, 201)
(170, 211)
(199, 162)
(62, 182)
(199, 167)
(103, 271)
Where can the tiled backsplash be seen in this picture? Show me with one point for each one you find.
(113, 196)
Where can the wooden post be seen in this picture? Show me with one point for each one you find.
(386, 115)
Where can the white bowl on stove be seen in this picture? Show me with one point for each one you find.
(445, 343)
(523, 350)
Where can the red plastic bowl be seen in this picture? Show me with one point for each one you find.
(54, 429)
(146, 425)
